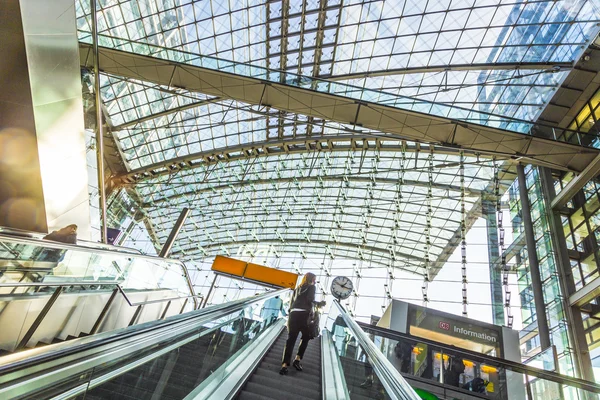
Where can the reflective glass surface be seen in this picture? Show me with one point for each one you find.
(43, 261)
(445, 370)
(170, 364)
(352, 42)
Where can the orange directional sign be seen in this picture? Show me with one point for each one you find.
(254, 272)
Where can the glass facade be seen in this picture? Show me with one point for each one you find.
(546, 259)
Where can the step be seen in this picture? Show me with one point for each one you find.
(297, 381)
(273, 372)
(253, 396)
(290, 392)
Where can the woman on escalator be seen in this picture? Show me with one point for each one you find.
(301, 305)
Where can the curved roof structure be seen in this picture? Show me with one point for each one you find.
(328, 128)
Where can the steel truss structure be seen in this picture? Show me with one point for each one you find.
(332, 130)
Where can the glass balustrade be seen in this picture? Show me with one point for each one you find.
(446, 370)
(174, 360)
(24, 260)
(51, 291)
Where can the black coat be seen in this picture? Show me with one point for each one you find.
(304, 297)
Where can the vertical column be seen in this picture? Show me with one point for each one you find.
(48, 99)
(534, 268)
(21, 195)
(565, 279)
(496, 289)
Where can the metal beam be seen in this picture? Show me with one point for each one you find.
(99, 126)
(534, 268)
(164, 113)
(546, 67)
(166, 249)
(38, 320)
(590, 172)
(295, 145)
(104, 313)
(586, 294)
(324, 242)
(327, 178)
(310, 97)
(575, 327)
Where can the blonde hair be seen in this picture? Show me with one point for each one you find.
(308, 278)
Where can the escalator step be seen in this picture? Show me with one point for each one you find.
(299, 385)
(276, 392)
(254, 396)
(274, 373)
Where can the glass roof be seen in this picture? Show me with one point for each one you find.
(397, 208)
(352, 204)
(406, 38)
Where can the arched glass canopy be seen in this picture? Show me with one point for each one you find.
(302, 192)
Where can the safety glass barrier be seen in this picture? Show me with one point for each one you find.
(31, 260)
(165, 360)
(12, 232)
(361, 378)
(423, 362)
(345, 90)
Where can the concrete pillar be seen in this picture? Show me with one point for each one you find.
(42, 137)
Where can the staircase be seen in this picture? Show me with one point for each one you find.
(266, 383)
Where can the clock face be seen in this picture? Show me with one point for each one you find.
(341, 287)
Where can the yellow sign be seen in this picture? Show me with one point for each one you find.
(229, 266)
(254, 272)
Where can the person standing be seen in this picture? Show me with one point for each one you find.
(302, 303)
(68, 234)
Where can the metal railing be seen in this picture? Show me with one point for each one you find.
(8, 236)
(24, 374)
(19, 233)
(60, 286)
(391, 379)
(531, 372)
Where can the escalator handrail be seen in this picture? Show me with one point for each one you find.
(31, 358)
(96, 250)
(116, 284)
(11, 233)
(472, 355)
(86, 249)
(395, 385)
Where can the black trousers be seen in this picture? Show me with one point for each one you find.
(297, 323)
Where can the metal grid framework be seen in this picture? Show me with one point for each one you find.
(349, 204)
(501, 57)
(379, 200)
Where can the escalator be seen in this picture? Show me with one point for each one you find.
(266, 383)
(231, 351)
(101, 323)
(52, 292)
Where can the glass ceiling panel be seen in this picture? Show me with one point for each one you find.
(328, 39)
(340, 203)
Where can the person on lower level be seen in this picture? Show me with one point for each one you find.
(302, 303)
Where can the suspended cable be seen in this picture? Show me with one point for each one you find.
(505, 268)
(429, 217)
(463, 234)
